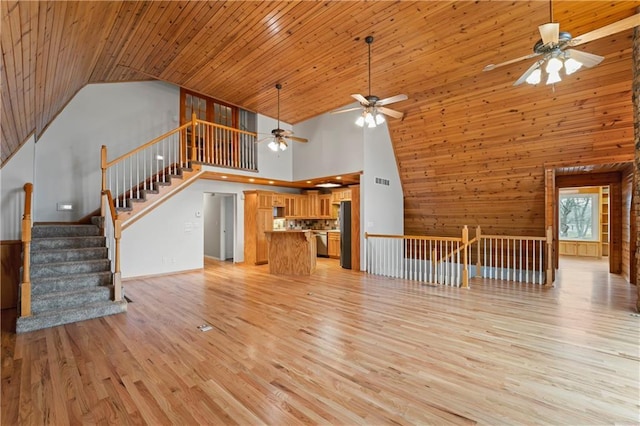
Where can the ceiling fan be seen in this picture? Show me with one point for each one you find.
(279, 136)
(372, 106)
(554, 47)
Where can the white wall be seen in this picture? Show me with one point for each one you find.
(64, 166)
(15, 173)
(171, 237)
(383, 209)
(335, 146)
(121, 116)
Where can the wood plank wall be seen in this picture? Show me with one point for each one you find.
(477, 156)
(11, 258)
(628, 225)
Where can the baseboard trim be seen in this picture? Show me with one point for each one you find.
(164, 274)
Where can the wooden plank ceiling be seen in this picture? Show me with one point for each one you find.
(462, 125)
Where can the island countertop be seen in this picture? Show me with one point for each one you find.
(291, 252)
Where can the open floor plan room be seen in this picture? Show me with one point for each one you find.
(337, 347)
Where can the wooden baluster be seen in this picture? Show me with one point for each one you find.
(193, 137)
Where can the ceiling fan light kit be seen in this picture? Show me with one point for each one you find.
(554, 45)
(373, 109)
(279, 136)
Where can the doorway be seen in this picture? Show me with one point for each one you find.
(219, 225)
(615, 227)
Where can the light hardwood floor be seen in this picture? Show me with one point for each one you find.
(339, 347)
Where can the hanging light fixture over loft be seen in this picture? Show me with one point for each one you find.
(555, 51)
(279, 136)
(373, 108)
(370, 115)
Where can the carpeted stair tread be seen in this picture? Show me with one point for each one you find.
(52, 243)
(61, 230)
(68, 255)
(61, 300)
(66, 316)
(69, 268)
(68, 283)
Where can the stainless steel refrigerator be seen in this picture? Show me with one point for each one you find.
(345, 234)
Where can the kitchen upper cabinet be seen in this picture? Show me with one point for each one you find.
(265, 199)
(325, 206)
(301, 206)
(256, 221)
(340, 195)
(333, 244)
(277, 200)
(289, 205)
(313, 198)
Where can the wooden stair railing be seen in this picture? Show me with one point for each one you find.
(511, 255)
(25, 286)
(186, 147)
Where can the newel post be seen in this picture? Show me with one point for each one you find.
(25, 285)
(103, 165)
(117, 281)
(193, 137)
(479, 252)
(549, 280)
(465, 257)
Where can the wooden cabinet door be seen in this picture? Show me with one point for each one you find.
(264, 223)
(289, 205)
(313, 206)
(333, 244)
(325, 206)
(264, 200)
(278, 200)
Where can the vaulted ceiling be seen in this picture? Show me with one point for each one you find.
(471, 148)
(237, 51)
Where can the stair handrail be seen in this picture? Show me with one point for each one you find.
(106, 164)
(117, 235)
(25, 286)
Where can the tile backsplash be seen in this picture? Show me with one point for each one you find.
(312, 224)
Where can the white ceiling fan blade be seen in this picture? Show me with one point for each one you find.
(360, 99)
(345, 110)
(391, 112)
(587, 59)
(512, 61)
(528, 72)
(297, 139)
(616, 27)
(264, 139)
(549, 32)
(392, 99)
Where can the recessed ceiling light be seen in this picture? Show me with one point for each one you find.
(327, 185)
(270, 182)
(338, 177)
(308, 181)
(252, 180)
(224, 177)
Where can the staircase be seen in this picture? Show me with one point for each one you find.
(70, 277)
(147, 195)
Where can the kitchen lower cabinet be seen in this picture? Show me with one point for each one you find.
(333, 245)
(257, 221)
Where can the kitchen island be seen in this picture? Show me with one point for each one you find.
(291, 252)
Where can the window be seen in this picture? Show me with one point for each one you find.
(214, 111)
(578, 213)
